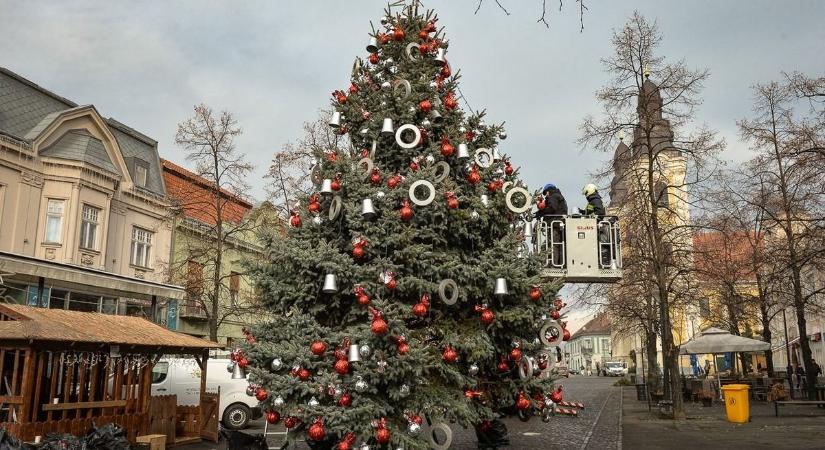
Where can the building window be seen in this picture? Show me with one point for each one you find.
(141, 247)
(54, 220)
(704, 308)
(194, 282)
(88, 227)
(84, 302)
(141, 172)
(234, 287)
(661, 194)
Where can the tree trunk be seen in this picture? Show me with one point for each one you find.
(801, 323)
(675, 383)
(653, 375)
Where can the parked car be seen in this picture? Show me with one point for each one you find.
(182, 377)
(614, 369)
(561, 371)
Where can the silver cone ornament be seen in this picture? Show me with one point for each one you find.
(354, 355)
(326, 186)
(441, 56)
(463, 151)
(367, 208)
(335, 120)
(330, 284)
(372, 47)
(387, 127)
(485, 200)
(238, 373)
(501, 287)
(496, 154)
(528, 229)
(436, 118)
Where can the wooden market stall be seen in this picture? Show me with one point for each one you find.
(61, 371)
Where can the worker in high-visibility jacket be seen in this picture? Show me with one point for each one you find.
(594, 201)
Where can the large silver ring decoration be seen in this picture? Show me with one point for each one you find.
(399, 136)
(448, 436)
(368, 166)
(448, 284)
(506, 186)
(430, 195)
(524, 193)
(525, 368)
(404, 86)
(373, 149)
(335, 208)
(546, 333)
(411, 52)
(442, 170)
(484, 157)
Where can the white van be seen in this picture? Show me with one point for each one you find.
(182, 377)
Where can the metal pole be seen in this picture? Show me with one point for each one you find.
(787, 351)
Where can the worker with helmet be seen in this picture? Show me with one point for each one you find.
(553, 202)
(594, 201)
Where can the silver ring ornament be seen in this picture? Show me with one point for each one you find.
(334, 208)
(373, 149)
(405, 87)
(408, 52)
(442, 171)
(481, 161)
(399, 136)
(448, 436)
(367, 163)
(524, 193)
(546, 330)
(525, 369)
(524, 416)
(430, 196)
(506, 186)
(448, 284)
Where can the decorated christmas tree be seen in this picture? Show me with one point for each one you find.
(403, 293)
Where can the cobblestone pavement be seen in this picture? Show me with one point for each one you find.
(596, 427)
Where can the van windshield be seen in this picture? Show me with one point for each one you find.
(614, 365)
(159, 372)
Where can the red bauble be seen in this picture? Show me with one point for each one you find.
(535, 293)
(303, 374)
(358, 252)
(291, 422)
(503, 366)
(556, 396)
(539, 400)
(566, 334)
(375, 178)
(342, 367)
(473, 177)
(373, 58)
(273, 417)
(343, 445)
(414, 166)
(314, 206)
(558, 303)
(542, 364)
(523, 402)
(452, 203)
(318, 348)
(423, 34)
(423, 48)
(540, 204)
(508, 169)
(353, 88)
(445, 71)
(391, 284)
(383, 38)
(555, 315)
(450, 102)
(449, 355)
(393, 181)
(295, 221)
(403, 347)
(398, 34)
(316, 431)
(261, 394)
(336, 185)
(447, 149)
(345, 400)
(425, 106)
(243, 362)
(430, 27)
(363, 300)
(379, 326)
(492, 186)
(515, 354)
(382, 435)
(487, 317)
(420, 309)
(406, 212)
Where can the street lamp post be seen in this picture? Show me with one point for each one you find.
(787, 351)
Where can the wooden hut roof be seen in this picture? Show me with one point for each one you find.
(58, 325)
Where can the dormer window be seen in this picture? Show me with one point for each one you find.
(141, 173)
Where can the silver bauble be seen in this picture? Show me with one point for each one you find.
(278, 402)
(364, 131)
(474, 215)
(383, 103)
(317, 220)
(461, 129)
(365, 351)
(473, 370)
(404, 390)
(277, 364)
(361, 385)
(414, 428)
(230, 367)
(385, 20)
(313, 402)
(426, 124)
(430, 159)
(502, 135)
(250, 391)
(382, 366)
(386, 86)
(380, 194)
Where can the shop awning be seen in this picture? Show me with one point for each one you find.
(106, 283)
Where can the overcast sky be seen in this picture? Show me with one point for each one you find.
(274, 64)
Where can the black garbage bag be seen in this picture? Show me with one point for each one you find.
(107, 437)
(236, 440)
(493, 437)
(326, 444)
(61, 441)
(9, 442)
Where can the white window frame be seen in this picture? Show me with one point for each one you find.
(141, 240)
(141, 174)
(54, 215)
(89, 225)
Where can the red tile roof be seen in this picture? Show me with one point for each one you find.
(597, 325)
(717, 255)
(196, 196)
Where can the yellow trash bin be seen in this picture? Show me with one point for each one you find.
(737, 405)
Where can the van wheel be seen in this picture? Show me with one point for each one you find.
(236, 416)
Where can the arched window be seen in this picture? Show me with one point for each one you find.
(661, 194)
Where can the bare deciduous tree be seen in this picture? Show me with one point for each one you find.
(209, 141)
